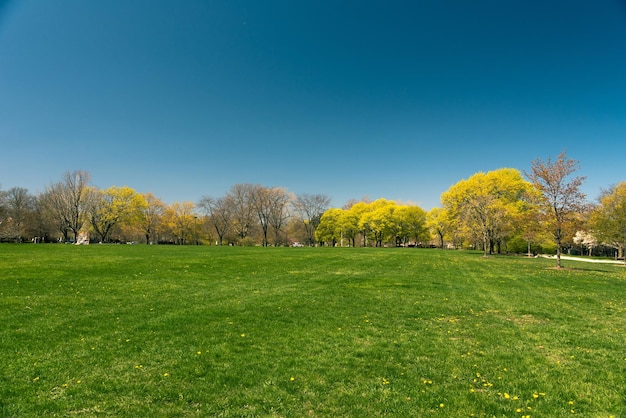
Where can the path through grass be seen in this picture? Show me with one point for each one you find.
(206, 331)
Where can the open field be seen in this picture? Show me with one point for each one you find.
(207, 331)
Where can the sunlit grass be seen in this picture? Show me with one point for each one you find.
(206, 331)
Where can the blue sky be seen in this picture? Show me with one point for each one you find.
(394, 99)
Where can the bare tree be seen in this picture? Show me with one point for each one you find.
(219, 213)
(261, 202)
(311, 208)
(66, 201)
(19, 208)
(240, 201)
(562, 199)
(279, 213)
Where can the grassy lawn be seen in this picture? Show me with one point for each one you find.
(207, 331)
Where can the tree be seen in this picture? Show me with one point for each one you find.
(150, 216)
(262, 202)
(181, 220)
(329, 229)
(488, 204)
(278, 214)
(437, 223)
(356, 212)
(609, 218)
(349, 224)
(561, 199)
(411, 224)
(113, 206)
(19, 208)
(585, 239)
(530, 224)
(377, 221)
(240, 201)
(311, 208)
(220, 215)
(66, 200)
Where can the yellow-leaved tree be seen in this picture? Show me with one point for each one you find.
(112, 207)
(410, 225)
(330, 228)
(181, 221)
(489, 204)
(377, 221)
(150, 217)
(609, 218)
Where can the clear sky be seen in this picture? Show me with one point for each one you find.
(394, 99)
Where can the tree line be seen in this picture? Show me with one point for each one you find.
(70, 208)
(503, 210)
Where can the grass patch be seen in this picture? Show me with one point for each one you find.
(232, 332)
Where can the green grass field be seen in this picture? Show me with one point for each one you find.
(327, 332)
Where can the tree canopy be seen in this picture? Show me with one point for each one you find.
(488, 204)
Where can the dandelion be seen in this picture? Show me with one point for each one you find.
(507, 396)
(243, 335)
(199, 352)
(166, 374)
(441, 405)
(385, 381)
(292, 378)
